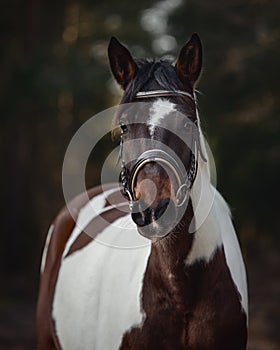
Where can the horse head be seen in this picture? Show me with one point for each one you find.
(157, 118)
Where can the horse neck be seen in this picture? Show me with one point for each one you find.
(170, 253)
(166, 282)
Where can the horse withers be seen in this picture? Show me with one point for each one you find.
(182, 285)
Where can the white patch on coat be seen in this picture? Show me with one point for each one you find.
(207, 239)
(233, 253)
(94, 284)
(158, 111)
(214, 228)
(91, 210)
(45, 251)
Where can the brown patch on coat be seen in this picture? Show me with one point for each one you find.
(116, 198)
(164, 295)
(188, 307)
(97, 225)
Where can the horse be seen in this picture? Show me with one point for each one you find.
(184, 286)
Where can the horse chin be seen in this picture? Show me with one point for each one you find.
(154, 232)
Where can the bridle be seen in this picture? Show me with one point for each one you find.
(163, 93)
(185, 179)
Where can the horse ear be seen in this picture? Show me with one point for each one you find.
(189, 61)
(122, 64)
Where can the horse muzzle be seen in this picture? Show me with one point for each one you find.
(155, 209)
(154, 222)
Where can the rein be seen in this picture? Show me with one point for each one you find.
(185, 179)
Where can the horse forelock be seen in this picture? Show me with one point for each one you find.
(151, 74)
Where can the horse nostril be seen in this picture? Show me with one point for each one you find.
(138, 219)
(161, 208)
(141, 214)
(165, 212)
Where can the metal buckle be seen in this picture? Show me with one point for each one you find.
(180, 193)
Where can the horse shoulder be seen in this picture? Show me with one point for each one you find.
(98, 285)
(217, 320)
(217, 232)
(216, 264)
(56, 241)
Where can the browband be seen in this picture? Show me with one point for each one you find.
(163, 93)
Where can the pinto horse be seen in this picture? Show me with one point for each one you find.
(184, 286)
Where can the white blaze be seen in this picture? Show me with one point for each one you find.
(159, 110)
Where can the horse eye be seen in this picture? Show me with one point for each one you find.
(123, 127)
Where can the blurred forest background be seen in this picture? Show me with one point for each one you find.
(54, 75)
